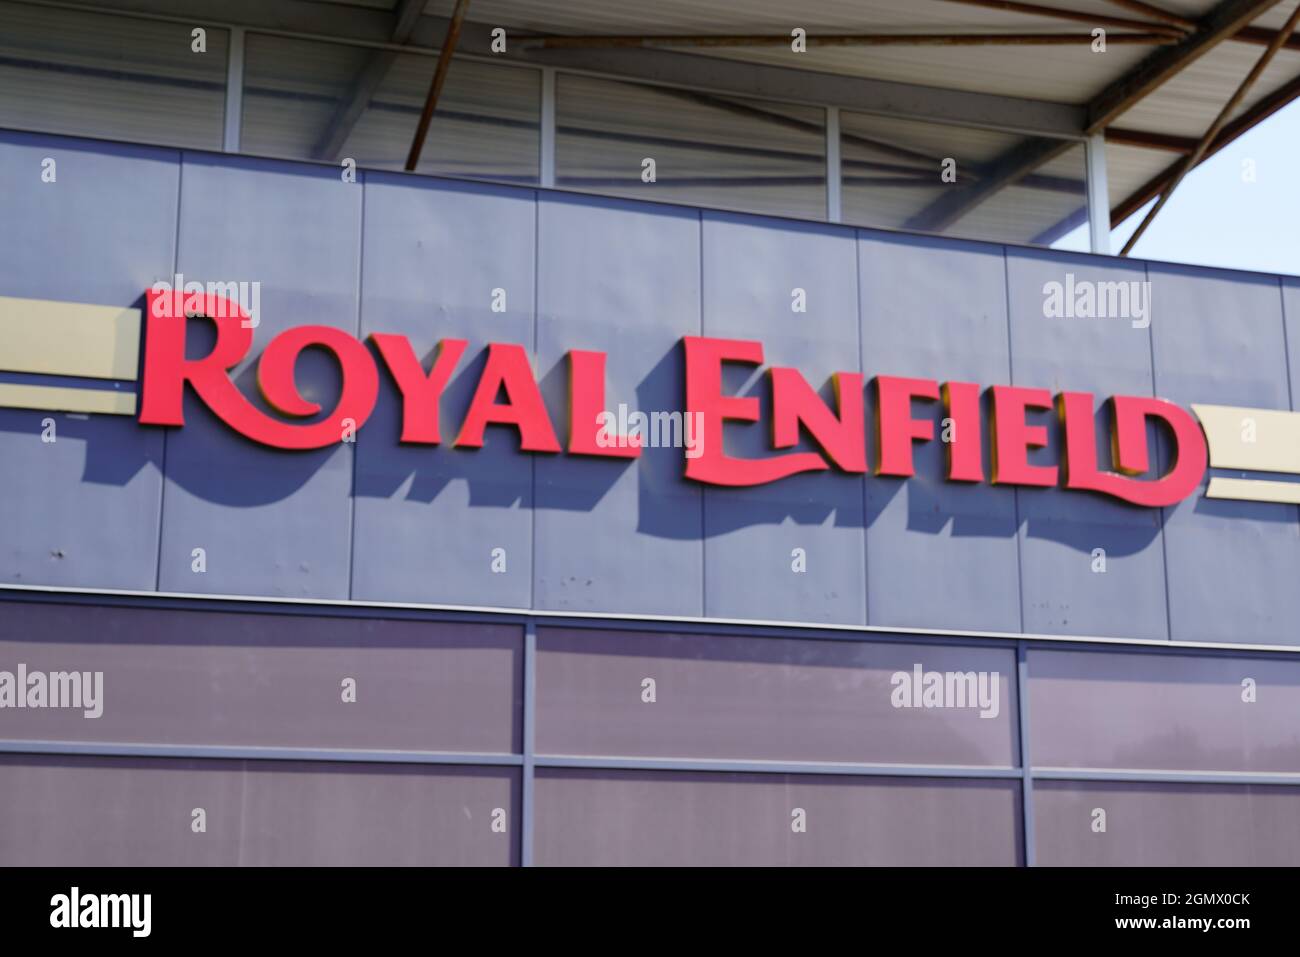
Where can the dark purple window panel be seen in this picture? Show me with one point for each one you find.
(1166, 712)
(219, 678)
(1167, 825)
(94, 811)
(761, 699)
(614, 818)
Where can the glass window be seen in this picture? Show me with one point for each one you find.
(112, 77)
(614, 818)
(999, 186)
(249, 680)
(1165, 825)
(326, 101)
(136, 812)
(708, 150)
(1165, 712)
(768, 699)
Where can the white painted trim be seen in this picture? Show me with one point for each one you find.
(899, 630)
(1098, 194)
(234, 114)
(834, 177)
(547, 170)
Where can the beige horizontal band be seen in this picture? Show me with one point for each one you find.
(69, 338)
(60, 399)
(1254, 490)
(1265, 440)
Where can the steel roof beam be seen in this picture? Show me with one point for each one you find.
(1262, 37)
(440, 70)
(1227, 18)
(651, 41)
(312, 20)
(1077, 16)
(1262, 110)
(367, 83)
(1147, 139)
(761, 81)
(1222, 22)
(1155, 13)
(1010, 168)
(1186, 165)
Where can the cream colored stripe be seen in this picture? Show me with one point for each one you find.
(1254, 490)
(59, 399)
(1266, 440)
(69, 338)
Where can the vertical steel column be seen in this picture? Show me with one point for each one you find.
(548, 128)
(530, 738)
(1027, 778)
(234, 91)
(1098, 194)
(834, 180)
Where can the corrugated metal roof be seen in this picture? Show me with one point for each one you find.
(753, 16)
(1061, 74)
(294, 91)
(1185, 105)
(1188, 103)
(1128, 168)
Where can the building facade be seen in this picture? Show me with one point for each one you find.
(336, 609)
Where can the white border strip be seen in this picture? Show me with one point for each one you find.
(326, 603)
(1153, 776)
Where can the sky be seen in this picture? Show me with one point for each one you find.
(1218, 218)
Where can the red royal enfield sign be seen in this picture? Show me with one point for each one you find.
(507, 394)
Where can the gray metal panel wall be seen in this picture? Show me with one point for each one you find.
(1233, 566)
(615, 533)
(751, 269)
(428, 519)
(420, 256)
(939, 554)
(82, 510)
(270, 522)
(1069, 586)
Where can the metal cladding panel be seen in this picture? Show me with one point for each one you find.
(428, 520)
(220, 679)
(599, 818)
(82, 510)
(939, 554)
(757, 539)
(270, 522)
(606, 534)
(1232, 566)
(127, 812)
(1165, 825)
(768, 699)
(617, 534)
(1173, 712)
(102, 231)
(1070, 587)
